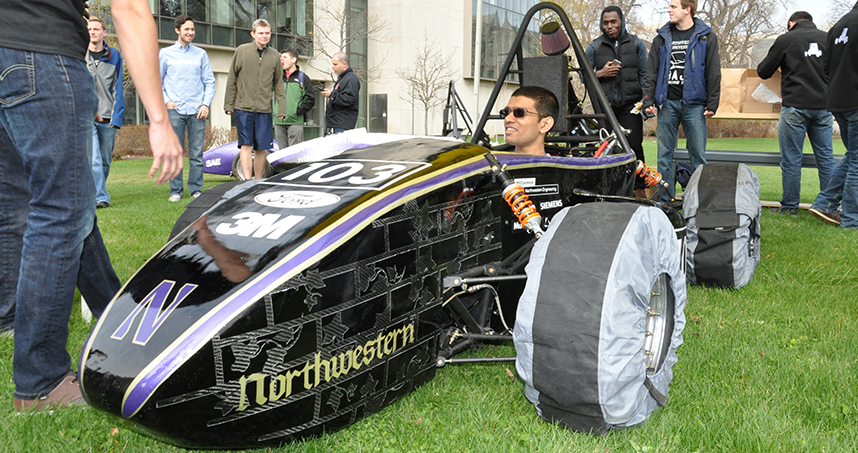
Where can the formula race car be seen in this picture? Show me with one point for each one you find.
(292, 306)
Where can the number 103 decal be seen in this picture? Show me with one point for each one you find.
(351, 174)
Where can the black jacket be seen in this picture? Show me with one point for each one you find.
(342, 108)
(800, 55)
(625, 89)
(841, 64)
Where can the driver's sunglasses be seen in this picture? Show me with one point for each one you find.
(517, 112)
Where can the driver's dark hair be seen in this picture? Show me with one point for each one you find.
(545, 101)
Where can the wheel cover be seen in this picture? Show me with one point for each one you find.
(659, 324)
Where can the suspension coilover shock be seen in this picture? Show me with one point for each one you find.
(513, 194)
(649, 175)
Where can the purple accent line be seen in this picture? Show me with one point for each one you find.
(147, 385)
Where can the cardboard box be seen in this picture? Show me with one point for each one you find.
(737, 95)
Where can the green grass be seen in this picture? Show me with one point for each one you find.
(770, 367)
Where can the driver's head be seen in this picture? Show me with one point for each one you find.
(530, 114)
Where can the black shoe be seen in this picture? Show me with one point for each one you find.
(102, 204)
(791, 211)
(832, 218)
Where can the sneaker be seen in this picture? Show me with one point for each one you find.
(196, 195)
(791, 211)
(175, 197)
(832, 218)
(64, 395)
(102, 204)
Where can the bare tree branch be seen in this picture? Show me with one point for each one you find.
(427, 79)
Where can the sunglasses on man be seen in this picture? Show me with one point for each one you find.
(517, 112)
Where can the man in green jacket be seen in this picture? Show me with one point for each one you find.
(299, 100)
(254, 70)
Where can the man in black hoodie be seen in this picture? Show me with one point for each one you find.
(841, 65)
(799, 53)
(621, 82)
(342, 111)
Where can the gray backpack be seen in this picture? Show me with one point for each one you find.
(722, 208)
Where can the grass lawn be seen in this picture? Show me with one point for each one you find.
(770, 367)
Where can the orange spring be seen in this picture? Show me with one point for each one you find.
(521, 205)
(650, 176)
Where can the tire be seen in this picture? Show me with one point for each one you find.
(239, 174)
(601, 316)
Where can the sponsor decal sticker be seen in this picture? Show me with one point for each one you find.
(296, 199)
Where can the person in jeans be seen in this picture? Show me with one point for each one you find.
(189, 87)
(105, 65)
(682, 85)
(799, 54)
(46, 181)
(841, 65)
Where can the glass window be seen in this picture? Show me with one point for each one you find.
(222, 36)
(284, 17)
(221, 11)
(265, 10)
(286, 42)
(245, 13)
(301, 18)
(171, 8)
(203, 33)
(199, 10)
(153, 6)
(242, 36)
(167, 29)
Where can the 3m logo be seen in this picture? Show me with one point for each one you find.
(156, 312)
(268, 226)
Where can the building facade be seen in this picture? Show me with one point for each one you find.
(382, 38)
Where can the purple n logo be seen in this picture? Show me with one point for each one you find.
(155, 314)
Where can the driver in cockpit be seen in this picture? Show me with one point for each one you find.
(527, 117)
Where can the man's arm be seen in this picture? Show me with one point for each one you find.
(279, 86)
(118, 94)
(309, 99)
(229, 94)
(713, 75)
(135, 28)
(773, 60)
(651, 78)
(162, 66)
(208, 84)
(641, 61)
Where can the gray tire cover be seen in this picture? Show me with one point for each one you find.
(581, 321)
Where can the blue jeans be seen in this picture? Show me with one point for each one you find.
(334, 130)
(103, 139)
(670, 116)
(793, 125)
(843, 185)
(47, 103)
(196, 137)
(96, 279)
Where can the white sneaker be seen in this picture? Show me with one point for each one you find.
(175, 197)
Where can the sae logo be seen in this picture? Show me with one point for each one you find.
(296, 199)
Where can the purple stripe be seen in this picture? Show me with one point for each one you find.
(138, 395)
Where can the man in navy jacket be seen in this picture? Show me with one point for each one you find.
(342, 110)
(682, 84)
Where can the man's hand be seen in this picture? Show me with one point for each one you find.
(203, 112)
(609, 70)
(326, 92)
(171, 105)
(166, 151)
(708, 113)
(651, 110)
(282, 117)
(228, 112)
